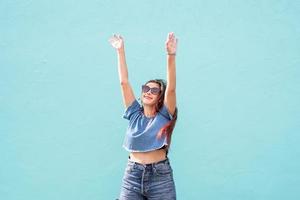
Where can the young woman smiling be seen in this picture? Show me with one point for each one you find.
(148, 174)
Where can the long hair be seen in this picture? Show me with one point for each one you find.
(167, 129)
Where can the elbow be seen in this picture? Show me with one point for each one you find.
(171, 90)
(123, 82)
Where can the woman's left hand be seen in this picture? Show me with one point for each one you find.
(171, 43)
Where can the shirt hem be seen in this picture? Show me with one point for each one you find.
(131, 150)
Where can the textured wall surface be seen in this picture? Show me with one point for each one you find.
(238, 87)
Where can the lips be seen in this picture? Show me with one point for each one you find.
(147, 97)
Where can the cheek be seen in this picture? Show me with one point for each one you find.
(155, 98)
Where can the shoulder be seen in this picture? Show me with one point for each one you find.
(132, 109)
(165, 112)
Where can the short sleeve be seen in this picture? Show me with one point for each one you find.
(131, 110)
(164, 111)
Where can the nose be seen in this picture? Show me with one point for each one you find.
(148, 92)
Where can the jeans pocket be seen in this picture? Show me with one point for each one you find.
(128, 169)
(163, 170)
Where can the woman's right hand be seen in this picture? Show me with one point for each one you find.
(117, 42)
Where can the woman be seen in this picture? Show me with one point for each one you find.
(148, 174)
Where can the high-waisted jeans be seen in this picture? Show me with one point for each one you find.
(148, 181)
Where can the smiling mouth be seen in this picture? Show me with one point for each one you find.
(148, 97)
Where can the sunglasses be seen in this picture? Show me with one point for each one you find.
(154, 90)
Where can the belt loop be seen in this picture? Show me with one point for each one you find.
(153, 167)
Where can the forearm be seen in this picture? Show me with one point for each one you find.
(171, 72)
(122, 67)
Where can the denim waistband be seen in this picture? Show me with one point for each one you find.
(150, 165)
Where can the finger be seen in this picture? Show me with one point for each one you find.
(172, 34)
(111, 39)
(173, 37)
(115, 37)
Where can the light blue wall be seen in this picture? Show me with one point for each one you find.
(238, 130)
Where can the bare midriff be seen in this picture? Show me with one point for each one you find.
(148, 157)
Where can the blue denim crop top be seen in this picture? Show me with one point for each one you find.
(142, 131)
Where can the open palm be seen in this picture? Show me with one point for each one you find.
(116, 41)
(171, 43)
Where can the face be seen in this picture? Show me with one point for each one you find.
(148, 98)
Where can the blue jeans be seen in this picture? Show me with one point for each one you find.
(148, 181)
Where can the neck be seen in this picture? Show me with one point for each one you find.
(149, 111)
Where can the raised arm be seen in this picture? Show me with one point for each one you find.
(170, 94)
(128, 96)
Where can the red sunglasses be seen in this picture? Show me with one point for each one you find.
(154, 90)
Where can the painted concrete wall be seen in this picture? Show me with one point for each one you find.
(61, 130)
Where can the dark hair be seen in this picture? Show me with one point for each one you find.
(169, 127)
